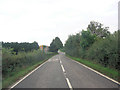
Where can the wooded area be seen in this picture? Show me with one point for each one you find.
(96, 44)
(17, 47)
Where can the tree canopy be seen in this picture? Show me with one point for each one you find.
(91, 45)
(98, 29)
(24, 46)
(55, 45)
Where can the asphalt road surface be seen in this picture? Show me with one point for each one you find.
(62, 72)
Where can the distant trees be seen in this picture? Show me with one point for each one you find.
(91, 45)
(55, 45)
(21, 46)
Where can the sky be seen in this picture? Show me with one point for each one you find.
(43, 20)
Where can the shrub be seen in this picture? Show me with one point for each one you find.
(12, 61)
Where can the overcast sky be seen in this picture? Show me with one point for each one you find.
(43, 20)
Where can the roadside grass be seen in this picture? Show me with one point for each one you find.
(19, 73)
(110, 72)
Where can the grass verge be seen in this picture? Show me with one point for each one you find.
(21, 72)
(112, 73)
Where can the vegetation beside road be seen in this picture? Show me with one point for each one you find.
(15, 65)
(20, 58)
(96, 45)
(113, 73)
(9, 80)
(55, 45)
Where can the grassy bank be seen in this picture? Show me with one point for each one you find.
(98, 67)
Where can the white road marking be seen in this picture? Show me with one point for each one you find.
(63, 68)
(60, 62)
(27, 75)
(53, 60)
(69, 84)
(97, 72)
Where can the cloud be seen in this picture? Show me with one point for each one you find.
(43, 20)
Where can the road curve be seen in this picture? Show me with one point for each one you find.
(62, 72)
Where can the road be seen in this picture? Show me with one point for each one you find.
(62, 72)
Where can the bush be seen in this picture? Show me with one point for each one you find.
(102, 50)
(105, 51)
(11, 62)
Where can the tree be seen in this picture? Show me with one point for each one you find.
(72, 45)
(98, 29)
(58, 43)
(55, 45)
(87, 39)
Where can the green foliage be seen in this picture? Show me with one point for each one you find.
(98, 29)
(21, 46)
(101, 48)
(55, 45)
(87, 39)
(105, 51)
(11, 62)
(72, 45)
(58, 43)
(77, 44)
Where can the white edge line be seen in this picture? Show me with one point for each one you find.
(27, 75)
(69, 84)
(63, 68)
(97, 72)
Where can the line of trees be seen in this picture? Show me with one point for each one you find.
(17, 47)
(97, 44)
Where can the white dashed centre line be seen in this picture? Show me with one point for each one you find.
(60, 62)
(68, 82)
(63, 68)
